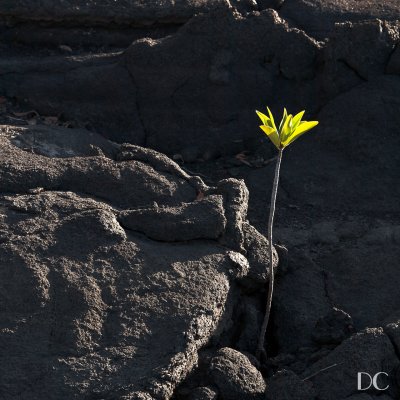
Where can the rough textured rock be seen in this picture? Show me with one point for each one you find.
(202, 219)
(204, 393)
(89, 309)
(203, 65)
(333, 328)
(100, 90)
(84, 174)
(357, 52)
(351, 265)
(370, 350)
(60, 142)
(300, 301)
(347, 141)
(286, 385)
(235, 376)
(317, 17)
(249, 320)
(368, 397)
(107, 11)
(257, 253)
(372, 305)
(212, 59)
(327, 306)
(190, 90)
(215, 57)
(393, 66)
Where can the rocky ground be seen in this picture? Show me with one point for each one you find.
(134, 192)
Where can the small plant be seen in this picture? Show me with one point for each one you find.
(290, 128)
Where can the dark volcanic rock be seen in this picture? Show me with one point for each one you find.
(99, 91)
(372, 305)
(370, 350)
(348, 140)
(203, 393)
(333, 328)
(235, 376)
(116, 266)
(87, 308)
(318, 17)
(286, 385)
(357, 52)
(21, 171)
(203, 219)
(250, 317)
(257, 252)
(393, 66)
(300, 301)
(368, 397)
(60, 142)
(107, 11)
(323, 301)
(212, 60)
(215, 72)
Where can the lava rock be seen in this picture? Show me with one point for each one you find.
(324, 232)
(370, 350)
(235, 376)
(364, 47)
(300, 300)
(202, 219)
(89, 308)
(393, 66)
(250, 320)
(333, 328)
(258, 256)
(107, 11)
(286, 385)
(203, 393)
(318, 17)
(60, 142)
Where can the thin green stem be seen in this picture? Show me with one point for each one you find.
(260, 347)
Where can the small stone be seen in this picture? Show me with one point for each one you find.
(203, 393)
(236, 377)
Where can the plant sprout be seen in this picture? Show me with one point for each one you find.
(290, 128)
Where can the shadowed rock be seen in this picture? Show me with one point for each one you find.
(370, 350)
(97, 12)
(318, 17)
(286, 385)
(190, 103)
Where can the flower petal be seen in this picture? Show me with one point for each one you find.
(271, 117)
(263, 117)
(286, 129)
(297, 119)
(302, 128)
(272, 134)
(283, 120)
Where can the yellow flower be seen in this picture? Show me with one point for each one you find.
(290, 128)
